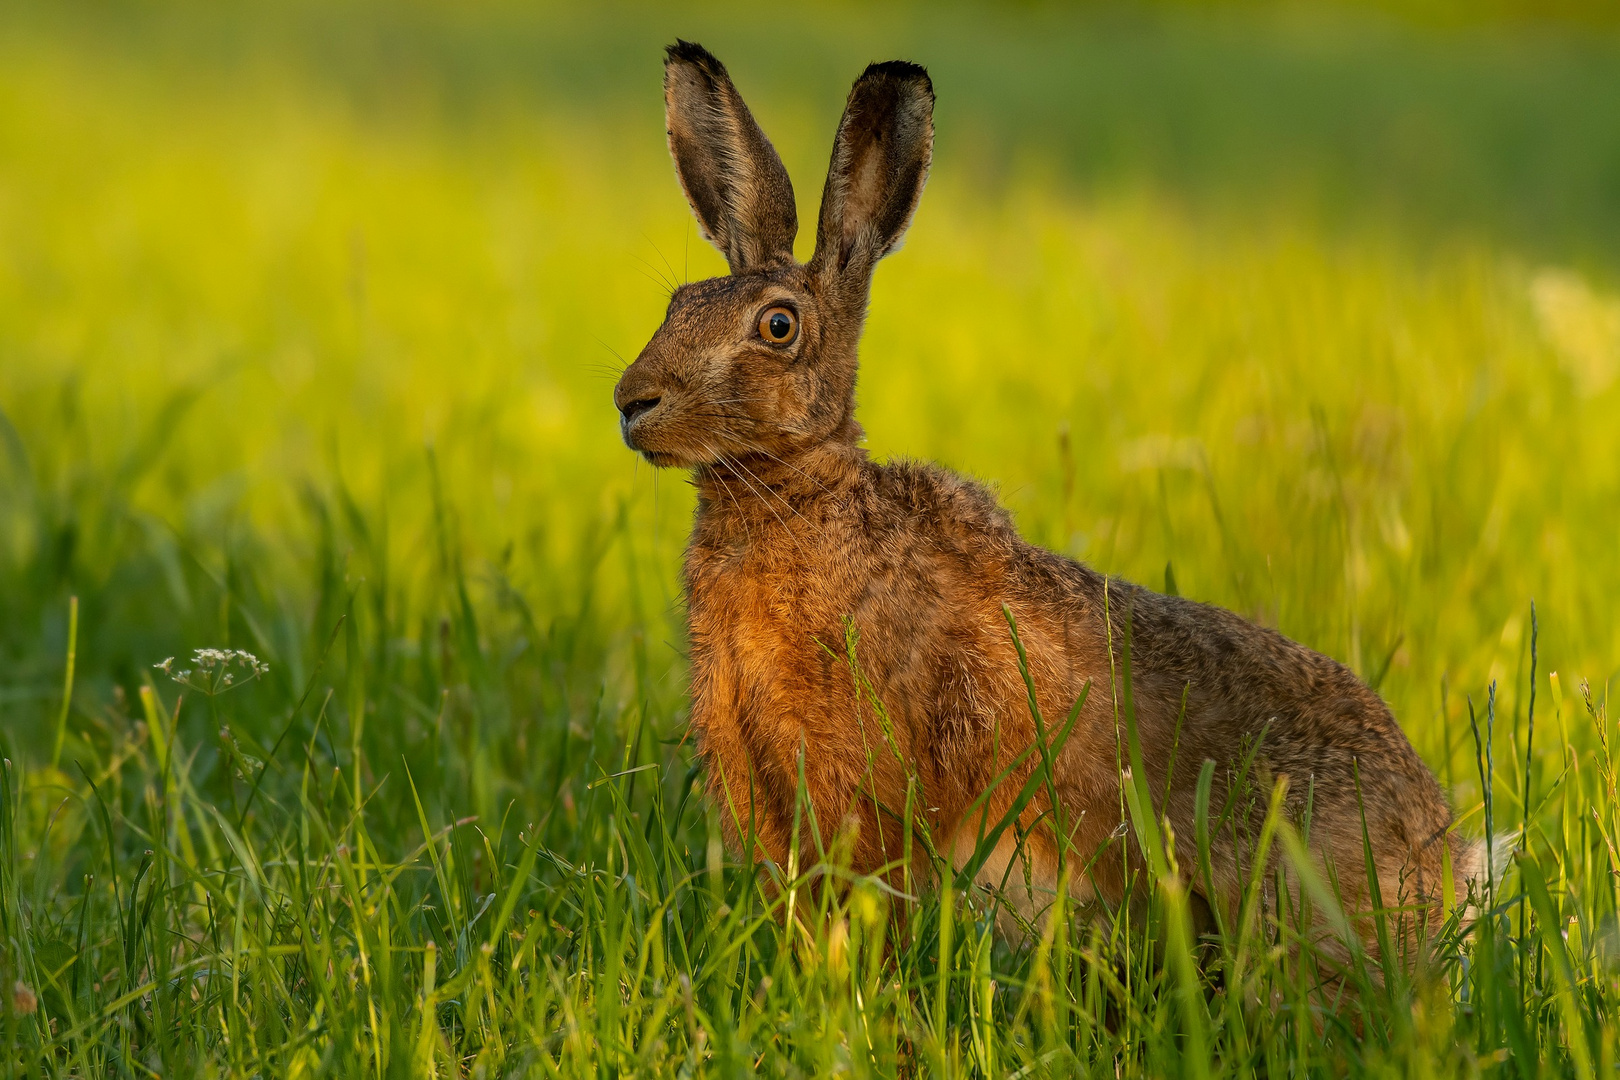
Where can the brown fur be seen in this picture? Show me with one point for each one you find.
(797, 531)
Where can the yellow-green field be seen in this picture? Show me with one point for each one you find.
(313, 314)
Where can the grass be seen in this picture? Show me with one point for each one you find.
(308, 325)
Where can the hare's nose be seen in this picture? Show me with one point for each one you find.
(633, 409)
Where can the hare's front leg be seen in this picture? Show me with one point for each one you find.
(779, 778)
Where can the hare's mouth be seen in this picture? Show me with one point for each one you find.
(637, 441)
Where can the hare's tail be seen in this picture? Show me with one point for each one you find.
(1478, 867)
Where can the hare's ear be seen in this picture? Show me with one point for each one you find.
(879, 164)
(729, 170)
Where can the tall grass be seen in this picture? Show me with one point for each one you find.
(308, 325)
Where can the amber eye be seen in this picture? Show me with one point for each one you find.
(778, 325)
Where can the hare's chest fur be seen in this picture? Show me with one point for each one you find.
(870, 635)
(777, 610)
(766, 617)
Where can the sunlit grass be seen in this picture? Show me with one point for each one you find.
(330, 382)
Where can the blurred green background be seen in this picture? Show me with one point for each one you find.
(1316, 304)
(312, 312)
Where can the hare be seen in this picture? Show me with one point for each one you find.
(798, 535)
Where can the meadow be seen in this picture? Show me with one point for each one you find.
(309, 322)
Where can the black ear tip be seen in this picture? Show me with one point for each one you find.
(690, 52)
(900, 71)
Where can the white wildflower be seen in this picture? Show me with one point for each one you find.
(212, 674)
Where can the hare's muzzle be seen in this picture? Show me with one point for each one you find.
(631, 411)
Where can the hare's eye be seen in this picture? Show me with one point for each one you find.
(778, 325)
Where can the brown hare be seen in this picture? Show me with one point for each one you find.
(750, 383)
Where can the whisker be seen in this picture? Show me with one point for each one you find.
(656, 274)
(623, 363)
(738, 465)
(790, 507)
(722, 482)
(673, 276)
(712, 452)
(663, 286)
(707, 415)
(756, 448)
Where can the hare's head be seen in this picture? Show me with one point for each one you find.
(763, 361)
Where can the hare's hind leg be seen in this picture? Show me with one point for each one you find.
(1020, 876)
